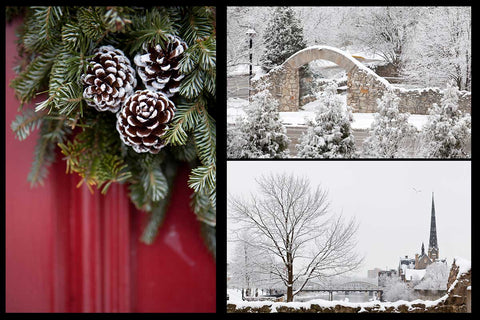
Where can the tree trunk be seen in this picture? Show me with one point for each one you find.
(290, 279)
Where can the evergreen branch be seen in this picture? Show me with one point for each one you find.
(112, 169)
(155, 183)
(51, 132)
(183, 122)
(204, 208)
(42, 28)
(117, 18)
(44, 156)
(94, 154)
(51, 17)
(152, 27)
(203, 177)
(160, 208)
(25, 123)
(209, 236)
(186, 152)
(72, 36)
(33, 78)
(157, 216)
(195, 25)
(207, 57)
(91, 22)
(192, 84)
(205, 137)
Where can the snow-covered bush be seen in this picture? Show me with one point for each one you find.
(447, 131)
(330, 134)
(390, 133)
(260, 133)
(436, 277)
(395, 289)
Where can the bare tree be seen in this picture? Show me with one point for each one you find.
(289, 221)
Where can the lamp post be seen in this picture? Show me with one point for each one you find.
(251, 34)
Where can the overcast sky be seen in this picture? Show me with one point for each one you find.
(391, 200)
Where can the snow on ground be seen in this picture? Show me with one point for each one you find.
(243, 70)
(236, 298)
(234, 295)
(361, 121)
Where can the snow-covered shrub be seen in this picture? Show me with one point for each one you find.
(330, 134)
(447, 131)
(436, 277)
(390, 133)
(260, 133)
(395, 289)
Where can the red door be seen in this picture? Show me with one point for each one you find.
(68, 250)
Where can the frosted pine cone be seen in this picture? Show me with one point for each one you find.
(143, 120)
(109, 79)
(159, 68)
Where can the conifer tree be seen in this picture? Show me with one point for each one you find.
(260, 134)
(80, 58)
(447, 131)
(390, 135)
(329, 134)
(282, 38)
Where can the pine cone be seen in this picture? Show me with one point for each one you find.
(143, 120)
(159, 68)
(109, 78)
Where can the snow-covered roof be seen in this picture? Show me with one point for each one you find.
(414, 274)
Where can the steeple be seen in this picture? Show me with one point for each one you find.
(433, 245)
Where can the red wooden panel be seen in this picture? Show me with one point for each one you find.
(29, 216)
(68, 250)
(176, 273)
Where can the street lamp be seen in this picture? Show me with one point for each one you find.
(251, 34)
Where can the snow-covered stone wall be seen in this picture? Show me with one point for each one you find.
(364, 87)
(419, 101)
(455, 300)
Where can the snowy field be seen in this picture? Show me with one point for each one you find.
(361, 121)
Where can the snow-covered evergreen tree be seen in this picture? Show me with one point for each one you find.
(447, 131)
(260, 134)
(390, 133)
(330, 134)
(282, 38)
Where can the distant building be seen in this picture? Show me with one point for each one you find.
(372, 274)
(383, 275)
(413, 269)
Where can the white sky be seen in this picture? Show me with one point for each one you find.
(394, 218)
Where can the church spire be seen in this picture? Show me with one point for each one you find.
(433, 245)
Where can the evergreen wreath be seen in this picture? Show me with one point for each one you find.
(83, 60)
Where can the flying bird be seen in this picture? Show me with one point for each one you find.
(416, 190)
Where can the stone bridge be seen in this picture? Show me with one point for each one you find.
(364, 86)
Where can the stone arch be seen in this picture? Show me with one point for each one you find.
(363, 85)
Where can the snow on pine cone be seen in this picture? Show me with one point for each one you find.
(109, 79)
(159, 67)
(143, 120)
